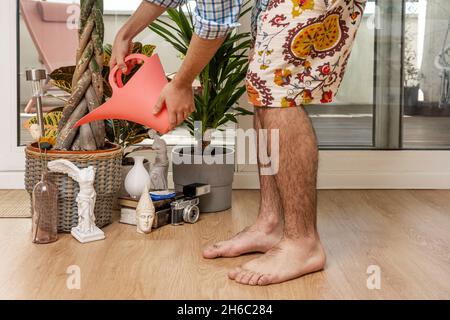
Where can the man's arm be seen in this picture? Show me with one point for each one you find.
(145, 14)
(178, 95)
(213, 20)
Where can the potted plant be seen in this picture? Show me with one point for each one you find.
(216, 102)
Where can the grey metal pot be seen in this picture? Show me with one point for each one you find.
(215, 168)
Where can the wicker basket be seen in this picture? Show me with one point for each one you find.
(108, 164)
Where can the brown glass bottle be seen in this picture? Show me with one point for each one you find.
(45, 211)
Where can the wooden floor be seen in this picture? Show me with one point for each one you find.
(405, 233)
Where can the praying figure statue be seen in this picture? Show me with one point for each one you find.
(86, 230)
(160, 169)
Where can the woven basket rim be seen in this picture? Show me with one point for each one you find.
(33, 147)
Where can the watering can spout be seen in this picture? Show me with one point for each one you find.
(135, 101)
(101, 113)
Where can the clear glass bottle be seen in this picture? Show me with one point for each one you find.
(45, 211)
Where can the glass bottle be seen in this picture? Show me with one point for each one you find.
(45, 211)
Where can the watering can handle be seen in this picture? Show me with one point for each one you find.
(115, 75)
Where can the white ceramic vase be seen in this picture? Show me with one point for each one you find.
(137, 178)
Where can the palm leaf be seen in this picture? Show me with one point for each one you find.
(169, 37)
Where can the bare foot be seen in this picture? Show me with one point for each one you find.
(260, 237)
(289, 259)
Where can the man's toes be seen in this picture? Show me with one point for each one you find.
(264, 280)
(254, 279)
(240, 276)
(233, 273)
(246, 277)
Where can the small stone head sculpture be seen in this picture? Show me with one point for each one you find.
(145, 213)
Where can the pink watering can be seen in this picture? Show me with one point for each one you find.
(135, 100)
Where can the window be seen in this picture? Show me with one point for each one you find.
(348, 121)
(426, 74)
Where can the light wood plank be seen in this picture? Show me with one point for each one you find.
(405, 232)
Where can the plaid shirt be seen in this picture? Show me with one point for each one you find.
(212, 18)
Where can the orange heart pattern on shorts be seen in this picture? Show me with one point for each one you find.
(319, 37)
(300, 50)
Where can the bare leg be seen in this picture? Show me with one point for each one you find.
(300, 251)
(265, 232)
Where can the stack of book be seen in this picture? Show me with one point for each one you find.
(128, 207)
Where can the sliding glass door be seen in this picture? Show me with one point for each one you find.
(426, 72)
(396, 94)
(348, 121)
(367, 110)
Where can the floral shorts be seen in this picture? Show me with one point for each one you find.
(300, 50)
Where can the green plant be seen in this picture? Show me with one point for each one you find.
(125, 133)
(221, 80)
(51, 120)
(122, 132)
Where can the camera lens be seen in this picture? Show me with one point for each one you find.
(191, 214)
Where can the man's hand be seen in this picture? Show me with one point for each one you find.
(141, 18)
(178, 97)
(121, 48)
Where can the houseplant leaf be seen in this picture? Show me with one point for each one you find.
(62, 78)
(51, 120)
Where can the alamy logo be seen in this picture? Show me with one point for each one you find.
(73, 281)
(374, 279)
(74, 15)
(268, 152)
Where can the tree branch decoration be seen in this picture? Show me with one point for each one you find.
(87, 84)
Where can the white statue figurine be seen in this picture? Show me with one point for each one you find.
(159, 171)
(145, 213)
(86, 230)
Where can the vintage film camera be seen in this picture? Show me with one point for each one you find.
(186, 209)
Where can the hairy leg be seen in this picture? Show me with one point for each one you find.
(270, 208)
(267, 230)
(300, 251)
